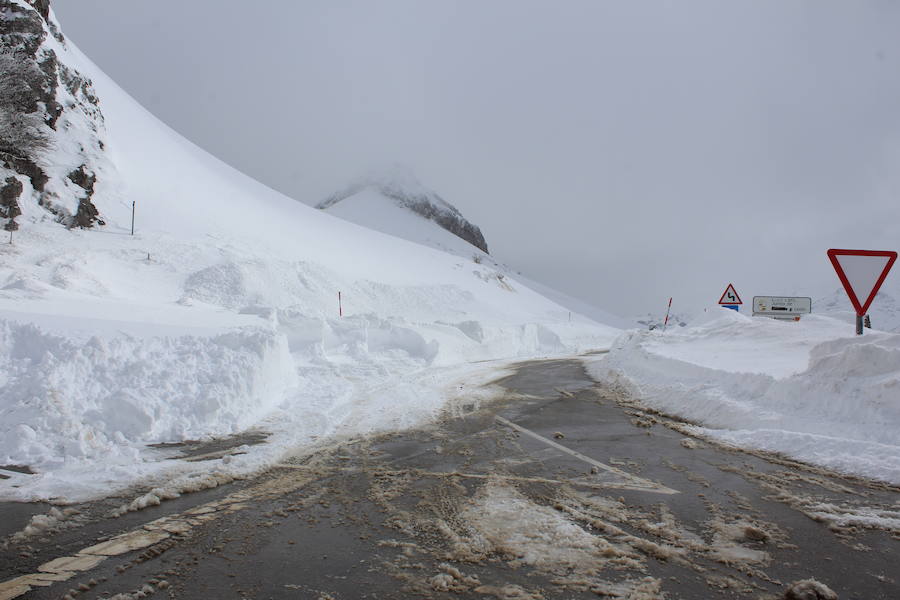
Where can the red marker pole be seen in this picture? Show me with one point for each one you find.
(666, 322)
(340, 306)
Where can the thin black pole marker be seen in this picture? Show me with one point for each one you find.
(132, 217)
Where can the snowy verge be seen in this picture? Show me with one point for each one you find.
(109, 352)
(83, 414)
(809, 390)
(65, 400)
(111, 349)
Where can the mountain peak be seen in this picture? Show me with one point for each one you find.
(399, 184)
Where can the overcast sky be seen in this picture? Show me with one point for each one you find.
(623, 152)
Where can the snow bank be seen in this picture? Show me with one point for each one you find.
(62, 399)
(803, 389)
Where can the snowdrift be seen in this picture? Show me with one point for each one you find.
(810, 390)
(221, 314)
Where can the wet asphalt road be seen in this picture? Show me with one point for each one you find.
(573, 492)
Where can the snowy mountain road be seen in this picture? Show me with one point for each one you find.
(558, 489)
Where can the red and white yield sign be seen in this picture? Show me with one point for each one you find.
(730, 296)
(862, 272)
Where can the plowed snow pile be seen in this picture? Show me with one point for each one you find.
(221, 313)
(811, 390)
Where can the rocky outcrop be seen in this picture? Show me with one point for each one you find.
(9, 202)
(42, 6)
(51, 126)
(87, 213)
(406, 191)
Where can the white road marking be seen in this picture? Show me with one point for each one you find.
(634, 482)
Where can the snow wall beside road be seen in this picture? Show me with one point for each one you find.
(810, 390)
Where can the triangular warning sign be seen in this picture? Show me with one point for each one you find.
(862, 272)
(730, 296)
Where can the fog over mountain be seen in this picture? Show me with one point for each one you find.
(401, 188)
(623, 152)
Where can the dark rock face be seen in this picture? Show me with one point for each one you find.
(83, 179)
(25, 166)
(410, 194)
(87, 213)
(25, 128)
(9, 202)
(454, 223)
(22, 30)
(44, 104)
(42, 6)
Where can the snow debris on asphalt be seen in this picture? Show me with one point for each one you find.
(728, 543)
(842, 518)
(452, 579)
(56, 519)
(506, 522)
(809, 589)
(193, 482)
(508, 592)
(863, 517)
(501, 520)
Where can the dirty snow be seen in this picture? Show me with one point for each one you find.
(809, 589)
(502, 521)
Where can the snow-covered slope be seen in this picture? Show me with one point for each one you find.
(811, 389)
(221, 313)
(370, 206)
(651, 321)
